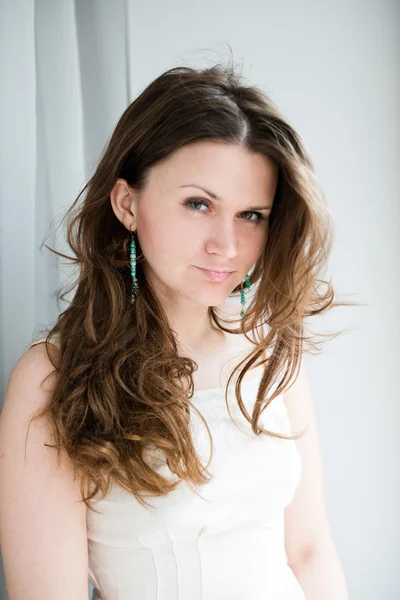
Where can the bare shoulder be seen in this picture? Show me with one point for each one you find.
(27, 389)
(40, 500)
(35, 362)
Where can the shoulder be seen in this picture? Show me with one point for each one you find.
(29, 389)
(39, 357)
(53, 340)
(31, 381)
(41, 492)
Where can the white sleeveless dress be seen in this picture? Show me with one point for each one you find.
(225, 542)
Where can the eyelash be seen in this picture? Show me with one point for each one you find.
(260, 217)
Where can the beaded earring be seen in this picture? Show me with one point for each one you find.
(246, 282)
(135, 286)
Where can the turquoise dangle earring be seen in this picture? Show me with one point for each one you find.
(246, 282)
(135, 286)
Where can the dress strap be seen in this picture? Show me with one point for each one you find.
(53, 341)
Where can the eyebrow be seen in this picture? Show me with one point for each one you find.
(217, 198)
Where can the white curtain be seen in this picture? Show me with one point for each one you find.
(64, 84)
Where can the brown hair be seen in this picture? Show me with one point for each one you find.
(119, 385)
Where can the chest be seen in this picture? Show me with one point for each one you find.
(215, 366)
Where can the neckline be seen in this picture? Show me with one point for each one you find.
(221, 388)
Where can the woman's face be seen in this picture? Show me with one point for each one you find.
(182, 227)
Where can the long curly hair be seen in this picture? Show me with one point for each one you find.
(121, 385)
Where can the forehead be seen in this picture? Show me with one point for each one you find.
(224, 168)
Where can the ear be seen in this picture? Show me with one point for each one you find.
(123, 201)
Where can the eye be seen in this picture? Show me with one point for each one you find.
(196, 201)
(259, 216)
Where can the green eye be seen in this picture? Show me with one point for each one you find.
(197, 201)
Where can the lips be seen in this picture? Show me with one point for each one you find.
(216, 275)
(215, 270)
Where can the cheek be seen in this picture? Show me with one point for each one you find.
(163, 240)
(258, 246)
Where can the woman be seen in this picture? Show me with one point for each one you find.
(188, 462)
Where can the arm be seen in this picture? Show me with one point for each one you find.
(42, 525)
(309, 544)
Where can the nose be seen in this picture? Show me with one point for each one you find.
(223, 239)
